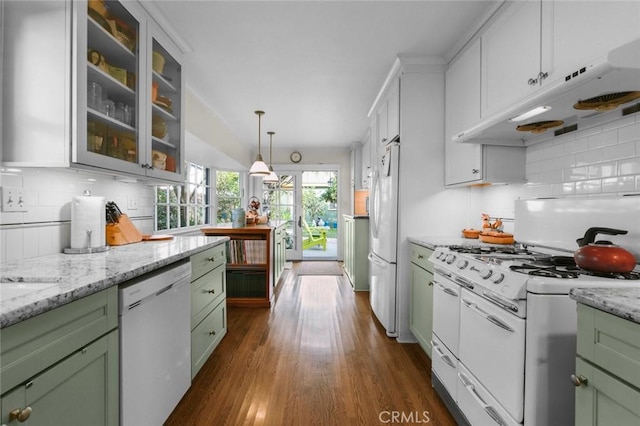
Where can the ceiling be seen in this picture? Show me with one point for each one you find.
(314, 67)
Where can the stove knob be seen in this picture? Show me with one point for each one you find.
(485, 273)
(451, 258)
(497, 279)
(462, 264)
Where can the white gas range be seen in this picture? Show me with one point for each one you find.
(504, 329)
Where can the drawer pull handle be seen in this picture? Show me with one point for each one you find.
(20, 415)
(212, 333)
(430, 283)
(212, 291)
(420, 256)
(210, 259)
(579, 380)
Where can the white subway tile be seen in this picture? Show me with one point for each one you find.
(616, 152)
(618, 184)
(602, 139)
(30, 243)
(629, 166)
(12, 180)
(13, 243)
(629, 133)
(574, 174)
(589, 157)
(622, 122)
(593, 186)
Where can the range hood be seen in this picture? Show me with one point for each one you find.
(619, 71)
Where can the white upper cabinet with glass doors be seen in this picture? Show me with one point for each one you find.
(80, 88)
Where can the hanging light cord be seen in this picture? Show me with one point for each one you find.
(270, 145)
(259, 130)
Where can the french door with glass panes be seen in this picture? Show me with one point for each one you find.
(285, 204)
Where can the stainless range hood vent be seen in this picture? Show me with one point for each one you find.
(619, 71)
(631, 110)
(566, 129)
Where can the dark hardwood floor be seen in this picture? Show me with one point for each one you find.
(317, 357)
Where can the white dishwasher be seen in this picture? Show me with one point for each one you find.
(155, 344)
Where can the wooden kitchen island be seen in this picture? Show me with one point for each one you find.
(249, 276)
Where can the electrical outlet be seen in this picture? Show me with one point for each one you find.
(132, 203)
(13, 200)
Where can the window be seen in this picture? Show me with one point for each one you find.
(184, 206)
(229, 194)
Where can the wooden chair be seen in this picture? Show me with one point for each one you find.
(312, 237)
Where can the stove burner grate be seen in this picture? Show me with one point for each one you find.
(545, 271)
(489, 249)
(570, 272)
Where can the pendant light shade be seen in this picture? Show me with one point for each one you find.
(272, 177)
(259, 168)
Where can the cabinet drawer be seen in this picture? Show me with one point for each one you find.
(207, 260)
(30, 346)
(206, 336)
(610, 342)
(420, 256)
(206, 292)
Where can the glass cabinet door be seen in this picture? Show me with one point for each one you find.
(166, 83)
(108, 86)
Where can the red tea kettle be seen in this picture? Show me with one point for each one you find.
(603, 256)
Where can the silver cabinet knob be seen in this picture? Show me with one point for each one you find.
(579, 380)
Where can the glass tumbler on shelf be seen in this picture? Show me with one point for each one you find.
(94, 95)
(109, 108)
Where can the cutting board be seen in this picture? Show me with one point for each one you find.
(159, 237)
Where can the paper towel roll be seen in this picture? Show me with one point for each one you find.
(87, 222)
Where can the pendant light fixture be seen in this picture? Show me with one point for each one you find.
(273, 177)
(259, 168)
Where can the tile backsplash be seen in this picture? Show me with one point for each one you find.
(45, 226)
(601, 159)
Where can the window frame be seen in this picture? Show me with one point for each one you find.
(185, 207)
(242, 182)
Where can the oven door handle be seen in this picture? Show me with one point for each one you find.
(446, 290)
(486, 407)
(491, 318)
(442, 355)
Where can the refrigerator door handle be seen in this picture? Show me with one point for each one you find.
(377, 261)
(375, 189)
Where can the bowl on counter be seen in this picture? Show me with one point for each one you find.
(471, 233)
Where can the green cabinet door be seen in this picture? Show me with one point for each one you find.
(82, 389)
(421, 315)
(604, 400)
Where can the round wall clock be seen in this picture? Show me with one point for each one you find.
(295, 156)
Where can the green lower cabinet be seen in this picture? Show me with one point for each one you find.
(421, 315)
(605, 400)
(82, 389)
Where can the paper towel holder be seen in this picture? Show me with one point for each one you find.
(88, 249)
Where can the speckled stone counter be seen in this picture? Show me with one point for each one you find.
(433, 242)
(623, 302)
(62, 278)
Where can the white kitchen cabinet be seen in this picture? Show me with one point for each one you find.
(365, 168)
(534, 42)
(511, 52)
(470, 163)
(56, 50)
(388, 115)
(599, 26)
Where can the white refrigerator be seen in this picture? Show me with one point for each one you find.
(383, 240)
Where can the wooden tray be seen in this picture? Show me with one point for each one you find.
(506, 239)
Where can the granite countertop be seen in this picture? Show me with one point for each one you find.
(623, 302)
(433, 242)
(62, 278)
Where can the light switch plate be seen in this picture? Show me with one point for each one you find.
(132, 203)
(13, 200)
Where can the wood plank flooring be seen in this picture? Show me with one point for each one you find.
(317, 357)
